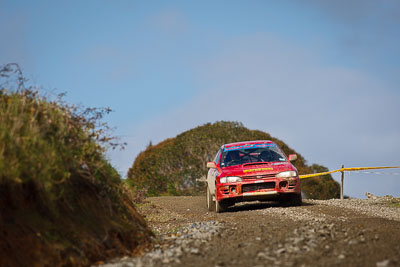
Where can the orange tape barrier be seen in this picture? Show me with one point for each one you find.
(343, 170)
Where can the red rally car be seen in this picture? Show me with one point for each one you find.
(252, 170)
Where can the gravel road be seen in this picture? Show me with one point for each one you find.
(351, 232)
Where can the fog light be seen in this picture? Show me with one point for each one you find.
(283, 184)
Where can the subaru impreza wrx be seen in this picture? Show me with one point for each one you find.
(249, 171)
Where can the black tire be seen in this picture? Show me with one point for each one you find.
(295, 200)
(220, 207)
(284, 200)
(210, 201)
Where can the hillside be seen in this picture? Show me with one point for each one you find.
(172, 166)
(61, 202)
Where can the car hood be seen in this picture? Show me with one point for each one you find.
(251, 169)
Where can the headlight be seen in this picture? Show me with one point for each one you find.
(230, 179)
(287, 174)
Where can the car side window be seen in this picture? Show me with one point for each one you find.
(217, 156)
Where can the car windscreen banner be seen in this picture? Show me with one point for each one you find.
(249, 146)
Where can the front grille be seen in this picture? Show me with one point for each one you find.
(263, 176)
(255, 187)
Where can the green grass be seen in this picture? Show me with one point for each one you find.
(49, 142)
(395, 202)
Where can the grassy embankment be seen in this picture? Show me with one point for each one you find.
(61, 202)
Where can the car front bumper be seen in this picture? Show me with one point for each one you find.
(262, 189)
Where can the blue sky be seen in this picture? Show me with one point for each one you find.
(323, 76)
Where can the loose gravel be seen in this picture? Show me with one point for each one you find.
(350, 232)
(318, 231)
(188, 240)
(374, 207)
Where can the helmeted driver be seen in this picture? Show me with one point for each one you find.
(233, 156)
(266, 156)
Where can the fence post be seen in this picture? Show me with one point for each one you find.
(341, 184)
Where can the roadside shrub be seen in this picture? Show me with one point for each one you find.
(320, 187)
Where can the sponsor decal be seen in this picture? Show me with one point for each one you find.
(258, 170)
(249, 146)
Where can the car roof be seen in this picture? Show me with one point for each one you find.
(248, 143)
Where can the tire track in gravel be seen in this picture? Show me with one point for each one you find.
(264, 234)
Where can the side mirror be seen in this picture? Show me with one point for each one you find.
(211, 165)
(292, 157)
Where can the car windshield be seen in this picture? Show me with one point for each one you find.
(238, 155)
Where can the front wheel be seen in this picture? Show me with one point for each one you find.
(295, 200)
(210, 202)
(292, 199)
(220, 207)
